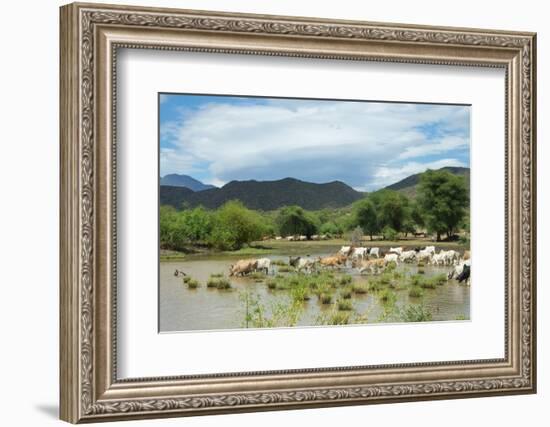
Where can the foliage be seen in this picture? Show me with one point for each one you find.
(389, 233)
(294, 220)
(366, 217)
(234, 225)
(444, 200)
(415, 313)
(356, 236)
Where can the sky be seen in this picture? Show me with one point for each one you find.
(367, 145)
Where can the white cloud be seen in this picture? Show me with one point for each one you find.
(318, 141)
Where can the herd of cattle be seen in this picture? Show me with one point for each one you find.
(369, 260)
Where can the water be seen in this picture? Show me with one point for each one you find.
(184, 309)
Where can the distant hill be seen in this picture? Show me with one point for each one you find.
(408, 186)
(265, 195)
(176, 180)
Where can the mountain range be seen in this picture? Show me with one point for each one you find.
(179, 190)
(409, 185)
(176, 180)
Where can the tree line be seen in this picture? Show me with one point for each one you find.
(440, 207)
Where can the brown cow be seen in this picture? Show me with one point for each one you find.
(242, 267)
(333, 261)
(372, 265)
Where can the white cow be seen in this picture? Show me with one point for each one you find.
(374, 252)
(345, 250)
(397, 251)
(302, 238)
(263, 264)
(451, 257)
(360, 253)
(306, 264)
(408, 256)
(424, 255)
(391, 258)
(438, 259)
(458, 269)
(430, 249)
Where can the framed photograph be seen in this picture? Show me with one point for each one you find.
(266, 212)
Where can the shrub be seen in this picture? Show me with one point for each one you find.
(415, 313)
(325, 298)
(193, 284)
(360, 288)
(389, 233)
(223, 283)
(346, 293)
(345, 305)
(345, 279)
(387, 296)
(416, 292)
(271, 283)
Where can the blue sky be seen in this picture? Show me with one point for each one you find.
(368, 145)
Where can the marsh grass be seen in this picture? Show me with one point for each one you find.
(360, 288)
(346, 279)
(387, 296)
(345, 305)
(278, 262)
(346, 293)
(416, 292)
(186, 279)
(257, 276)
(325, 298)
(215, 281)
(285, 269)
(193, 283)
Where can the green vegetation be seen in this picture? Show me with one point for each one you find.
(444, 200)
(294, 220)
(193, 283)
(415, 313)
(345, 305)
(416, 292)
(215, 281)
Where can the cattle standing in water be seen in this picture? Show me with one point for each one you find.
(333, 261)
(397, 251)
(374, 252)
(465, 275)
(263, 264)
(391, 257)
(372, 265)
(293, 261)
(408, 256)
(243, 267)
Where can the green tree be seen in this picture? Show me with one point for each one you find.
(293, 220)
(331, 228)
(366, 217)
(392, 208)
(234, 226)
(444, 200)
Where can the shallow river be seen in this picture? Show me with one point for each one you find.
(183, 309)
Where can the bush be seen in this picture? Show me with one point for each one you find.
(193, 284)
(325, 298)
(345, 305)
(218, 282)
(387, 296)
(416, 292)
(346, 293)
(345, 279)
(389, 233)
(271, 283)
(415, 313)
(360, 288)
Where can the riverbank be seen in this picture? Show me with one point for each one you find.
(284, 247)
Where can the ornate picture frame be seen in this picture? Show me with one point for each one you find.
(90, 37)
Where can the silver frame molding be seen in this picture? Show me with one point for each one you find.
(90, 37)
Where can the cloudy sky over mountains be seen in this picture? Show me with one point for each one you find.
(368, 145)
